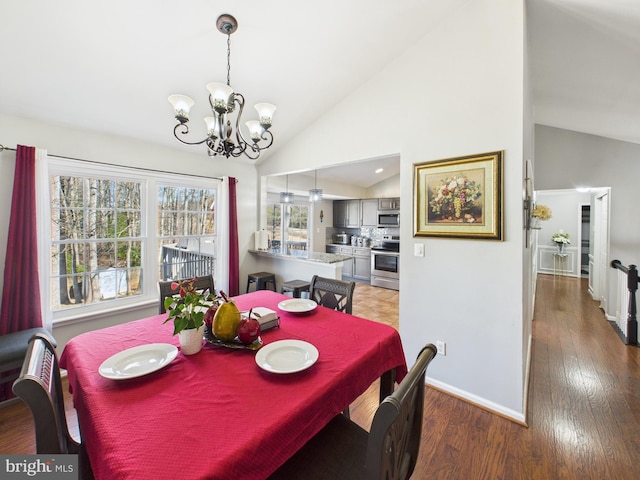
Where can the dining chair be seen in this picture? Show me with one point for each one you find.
(40, 387)
(332, 293)
(204, 284)
(344, 450)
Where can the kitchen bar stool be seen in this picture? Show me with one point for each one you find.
(295, 286)
(261, 279)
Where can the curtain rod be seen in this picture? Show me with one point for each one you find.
(2, 147)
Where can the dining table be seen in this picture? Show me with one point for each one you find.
(219, 414)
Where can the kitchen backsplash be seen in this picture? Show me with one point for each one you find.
(374, 233)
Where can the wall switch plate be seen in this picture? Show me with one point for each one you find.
(418, 249)
(442, 347)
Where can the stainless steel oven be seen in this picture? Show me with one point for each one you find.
(385, 262)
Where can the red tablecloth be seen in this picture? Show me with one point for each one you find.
(216, 414)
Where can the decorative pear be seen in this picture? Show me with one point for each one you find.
(226, 320)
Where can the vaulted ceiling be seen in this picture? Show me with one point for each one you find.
(109, 66)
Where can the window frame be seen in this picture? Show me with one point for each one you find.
(149, 180)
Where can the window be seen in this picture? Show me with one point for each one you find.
(186, 230)
(96, 246)
(116, 232)
(287, 224)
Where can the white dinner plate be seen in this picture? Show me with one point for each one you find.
(286, 356)
(297, 305)
(138, 361)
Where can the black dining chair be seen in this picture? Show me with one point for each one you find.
(332, 293)
(40, 387)
(344, 450)
(203, 284)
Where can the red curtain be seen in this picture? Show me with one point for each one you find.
(21, 293)
(234, 256)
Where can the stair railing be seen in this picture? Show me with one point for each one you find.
(631, 337)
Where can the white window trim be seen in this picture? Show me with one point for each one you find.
(148, 228)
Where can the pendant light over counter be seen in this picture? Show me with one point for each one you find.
(315, 194)
(286, 197)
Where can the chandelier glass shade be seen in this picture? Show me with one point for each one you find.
(286, 197)
(315, 194)
(223, 137)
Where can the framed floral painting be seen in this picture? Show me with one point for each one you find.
(459, 197)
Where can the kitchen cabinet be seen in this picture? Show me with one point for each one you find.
(347, 268)
(359, 266)
(369, 212)
(362, 263)
(389, 203)
(346, 213)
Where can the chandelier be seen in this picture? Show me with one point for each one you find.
(223, 101)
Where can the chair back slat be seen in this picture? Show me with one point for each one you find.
(394, 439)
(40, 387)
(332, 293)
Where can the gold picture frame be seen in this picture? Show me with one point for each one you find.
(459, 197)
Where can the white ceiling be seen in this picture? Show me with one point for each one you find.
(109, 66)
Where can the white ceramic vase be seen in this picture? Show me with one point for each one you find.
(191, 340)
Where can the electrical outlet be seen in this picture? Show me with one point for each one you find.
(442, 347)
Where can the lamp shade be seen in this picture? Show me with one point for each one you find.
(181, 104)
(255, 130)
(265, 113)
(315, 195)
(286, 197)
(220, 93)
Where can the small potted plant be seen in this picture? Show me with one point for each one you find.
(561, 239)
(188, 309)
(539, 214)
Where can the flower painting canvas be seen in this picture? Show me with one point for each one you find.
(455, 198)
(459, 197)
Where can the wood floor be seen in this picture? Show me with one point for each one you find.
(583, 414)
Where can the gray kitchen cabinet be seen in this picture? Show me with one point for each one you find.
(347, 267)
(362, 263)
(389, 203)
(340, 214)
(353, 211)
(369, 212)
(346, 213)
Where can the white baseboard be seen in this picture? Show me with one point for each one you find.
(477, 401)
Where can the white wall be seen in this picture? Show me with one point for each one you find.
(458, 91)
(567, 159)
(59, 140)
(388, 188)
(566, 216)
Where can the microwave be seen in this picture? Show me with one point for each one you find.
(388, 219)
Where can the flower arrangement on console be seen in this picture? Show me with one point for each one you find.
(561, 238)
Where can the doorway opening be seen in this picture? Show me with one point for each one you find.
(585, 224)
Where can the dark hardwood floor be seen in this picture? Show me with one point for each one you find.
(583, 410)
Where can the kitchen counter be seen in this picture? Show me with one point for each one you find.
(299, 265)
(304, 255)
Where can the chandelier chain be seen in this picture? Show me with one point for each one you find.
(229, 59)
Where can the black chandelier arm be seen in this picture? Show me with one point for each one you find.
(185, 131)
(239, 99)
(266, 135)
